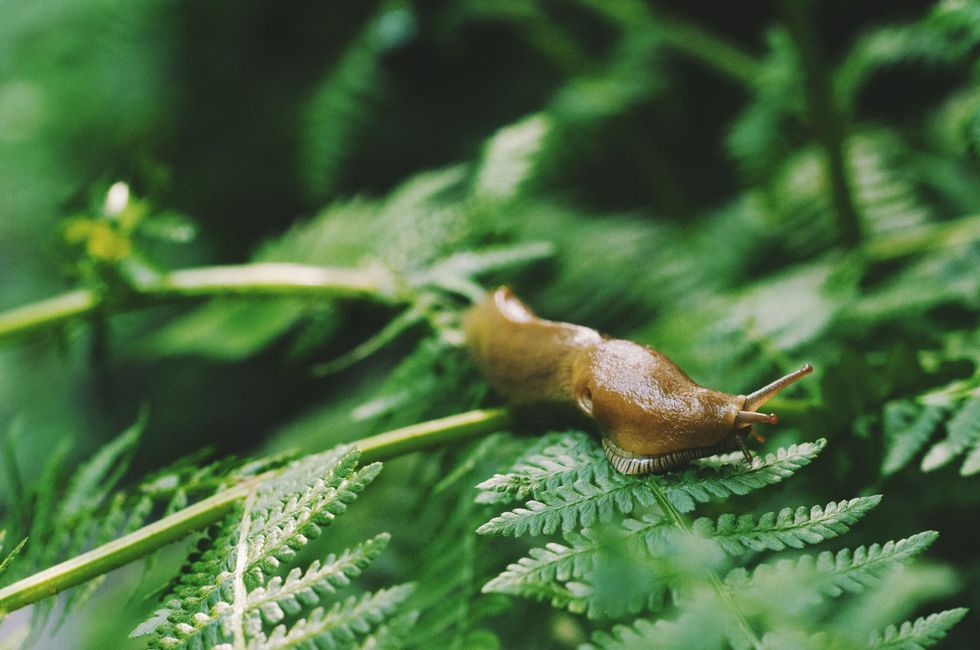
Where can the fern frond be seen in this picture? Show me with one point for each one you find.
(554, 562)
(787, 528)
(562, 573)
(288, 524)
(947, 34)
(832, 574)
(884, 192)
(685, 632)
(411, 392)
(11, 555)
(509, 158)
(924, 632)
(590, 491)
(232, 587)
(763, 134)
(907, 428)
(299, 589)
(964, 434)
(96, 478)
(572, 505)
(685, 489)
(339, 627)
(556, 459)
(336, 111)
(390, 635)
(520, 580)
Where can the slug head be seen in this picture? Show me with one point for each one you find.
(648, 407)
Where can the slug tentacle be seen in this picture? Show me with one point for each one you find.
(751, 417)
(766, 393)
(651, 415)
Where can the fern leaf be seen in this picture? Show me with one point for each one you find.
(509, 158)
(553, 562)
(556, 459)
(964, 433)
(335, 113)
(832, 574)
(520, 580)
(972, 463)
(11, 555)
(283, 528)
(925, 632)
(907, 429)
(701, 485)
(577, 559)
(463, 266)
(590, 491)
(576, 504)
(562, 573)
(787, 528)
(391, 635)
(283, 515)
(947, 34)
(685, 632)
(298, 590)
(96, 478)
(339, 627)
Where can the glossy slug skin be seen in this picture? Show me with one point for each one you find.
(653, 414)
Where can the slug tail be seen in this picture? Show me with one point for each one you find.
(766, 393)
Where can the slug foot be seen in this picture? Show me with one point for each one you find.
(632, 464)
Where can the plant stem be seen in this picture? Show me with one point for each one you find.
(121, 551)
(827, 121)
(678, 520)
(424, 435)
(144, 541)
(259, 280)
(47, 312)
(707, 48)
(682, 36)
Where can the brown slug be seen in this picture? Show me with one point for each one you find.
(652, 417)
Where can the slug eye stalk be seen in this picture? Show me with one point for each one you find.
(748, 416)
(766, 393)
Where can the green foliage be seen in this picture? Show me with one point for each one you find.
(663, 633)
(909, 424)
(646, 169)
(924, 632)
(574, 486)
(829, 573)
(233, 592)
(338, 108)
(787, 528)
(662, 553)
(57, 519)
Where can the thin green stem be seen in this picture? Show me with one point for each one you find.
(47, 312)
(425, 435)
(144, 541)
(678, 520)
(258, 280)
(708, 48)
(682, 36)
(121, 551)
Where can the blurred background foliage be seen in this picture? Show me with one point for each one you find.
(743, 189)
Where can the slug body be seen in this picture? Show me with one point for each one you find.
(652, 417)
